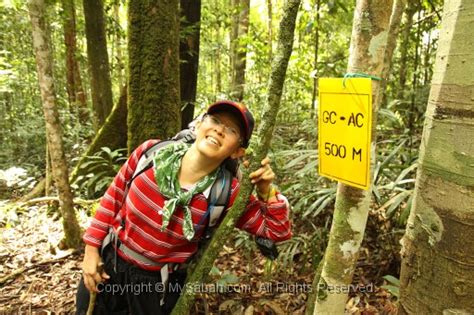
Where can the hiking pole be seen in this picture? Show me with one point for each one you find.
(93, 294)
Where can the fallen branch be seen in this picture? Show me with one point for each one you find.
(19, 271)
(78, 201)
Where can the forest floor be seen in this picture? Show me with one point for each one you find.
(46, 277)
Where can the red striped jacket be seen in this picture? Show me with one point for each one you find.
(142, 209)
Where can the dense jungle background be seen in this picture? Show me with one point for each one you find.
(125, 71)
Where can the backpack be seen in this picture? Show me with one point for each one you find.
(217, 195)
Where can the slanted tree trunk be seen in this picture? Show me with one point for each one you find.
(393, 31)
(368, 42)
(41, 44)
(98, 58)
(76, 94)
(153, 49)
(189, 58)
(240, 49)
(437, 273)
(270, 111)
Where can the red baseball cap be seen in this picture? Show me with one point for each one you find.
(241, 112)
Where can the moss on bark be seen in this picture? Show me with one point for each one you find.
(98, 58)
(153, 47)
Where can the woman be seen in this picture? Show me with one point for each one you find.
(152, 226)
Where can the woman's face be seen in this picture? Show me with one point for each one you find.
(218, 136)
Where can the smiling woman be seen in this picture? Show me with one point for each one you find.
(149, 224)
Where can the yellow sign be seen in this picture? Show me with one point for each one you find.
(345, 130)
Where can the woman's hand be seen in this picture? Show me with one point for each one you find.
(91, 269)
(263, 177)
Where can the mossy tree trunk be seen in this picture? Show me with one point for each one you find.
(437, 274)
(41, 44)
(76, 94)
(368, 42)
(189, 57)
(239, 46)
(98, 58)
(261, 146)
(153, 49)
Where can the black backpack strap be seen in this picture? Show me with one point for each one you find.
(220, 195)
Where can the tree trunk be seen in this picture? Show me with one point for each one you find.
(101, 86)
(47, 175)
(189, 58)
(153, 49)
(316, 54)
(118, 46)
(41, 44)
(240, 53)
(411, 9)
(270, 29)
(75, 90)
(270, 111)
(393, 31)
(437, 274)
(368, 42)
(414, 85)
(234, 36)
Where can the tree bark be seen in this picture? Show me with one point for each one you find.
(368, 42)
(270, 111)
(189, 58)
(437, 273)
(153, 49)
(98, 58)
(270, 29)
(316, 55)
(410, 11)
(76, 94)
(41, 44)
(393, 31)
(240, 46)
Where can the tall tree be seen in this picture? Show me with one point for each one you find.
(189, 57)
(98, 58)
(153, 50)
(368, 42)
(405, 44)
(76, 94)
(394, 29)
(316, 56)
(270, 28)
(41, 44)
(437, 274)
(239, 47)
(265, 132)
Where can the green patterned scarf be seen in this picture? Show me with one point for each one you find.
(167, 163)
